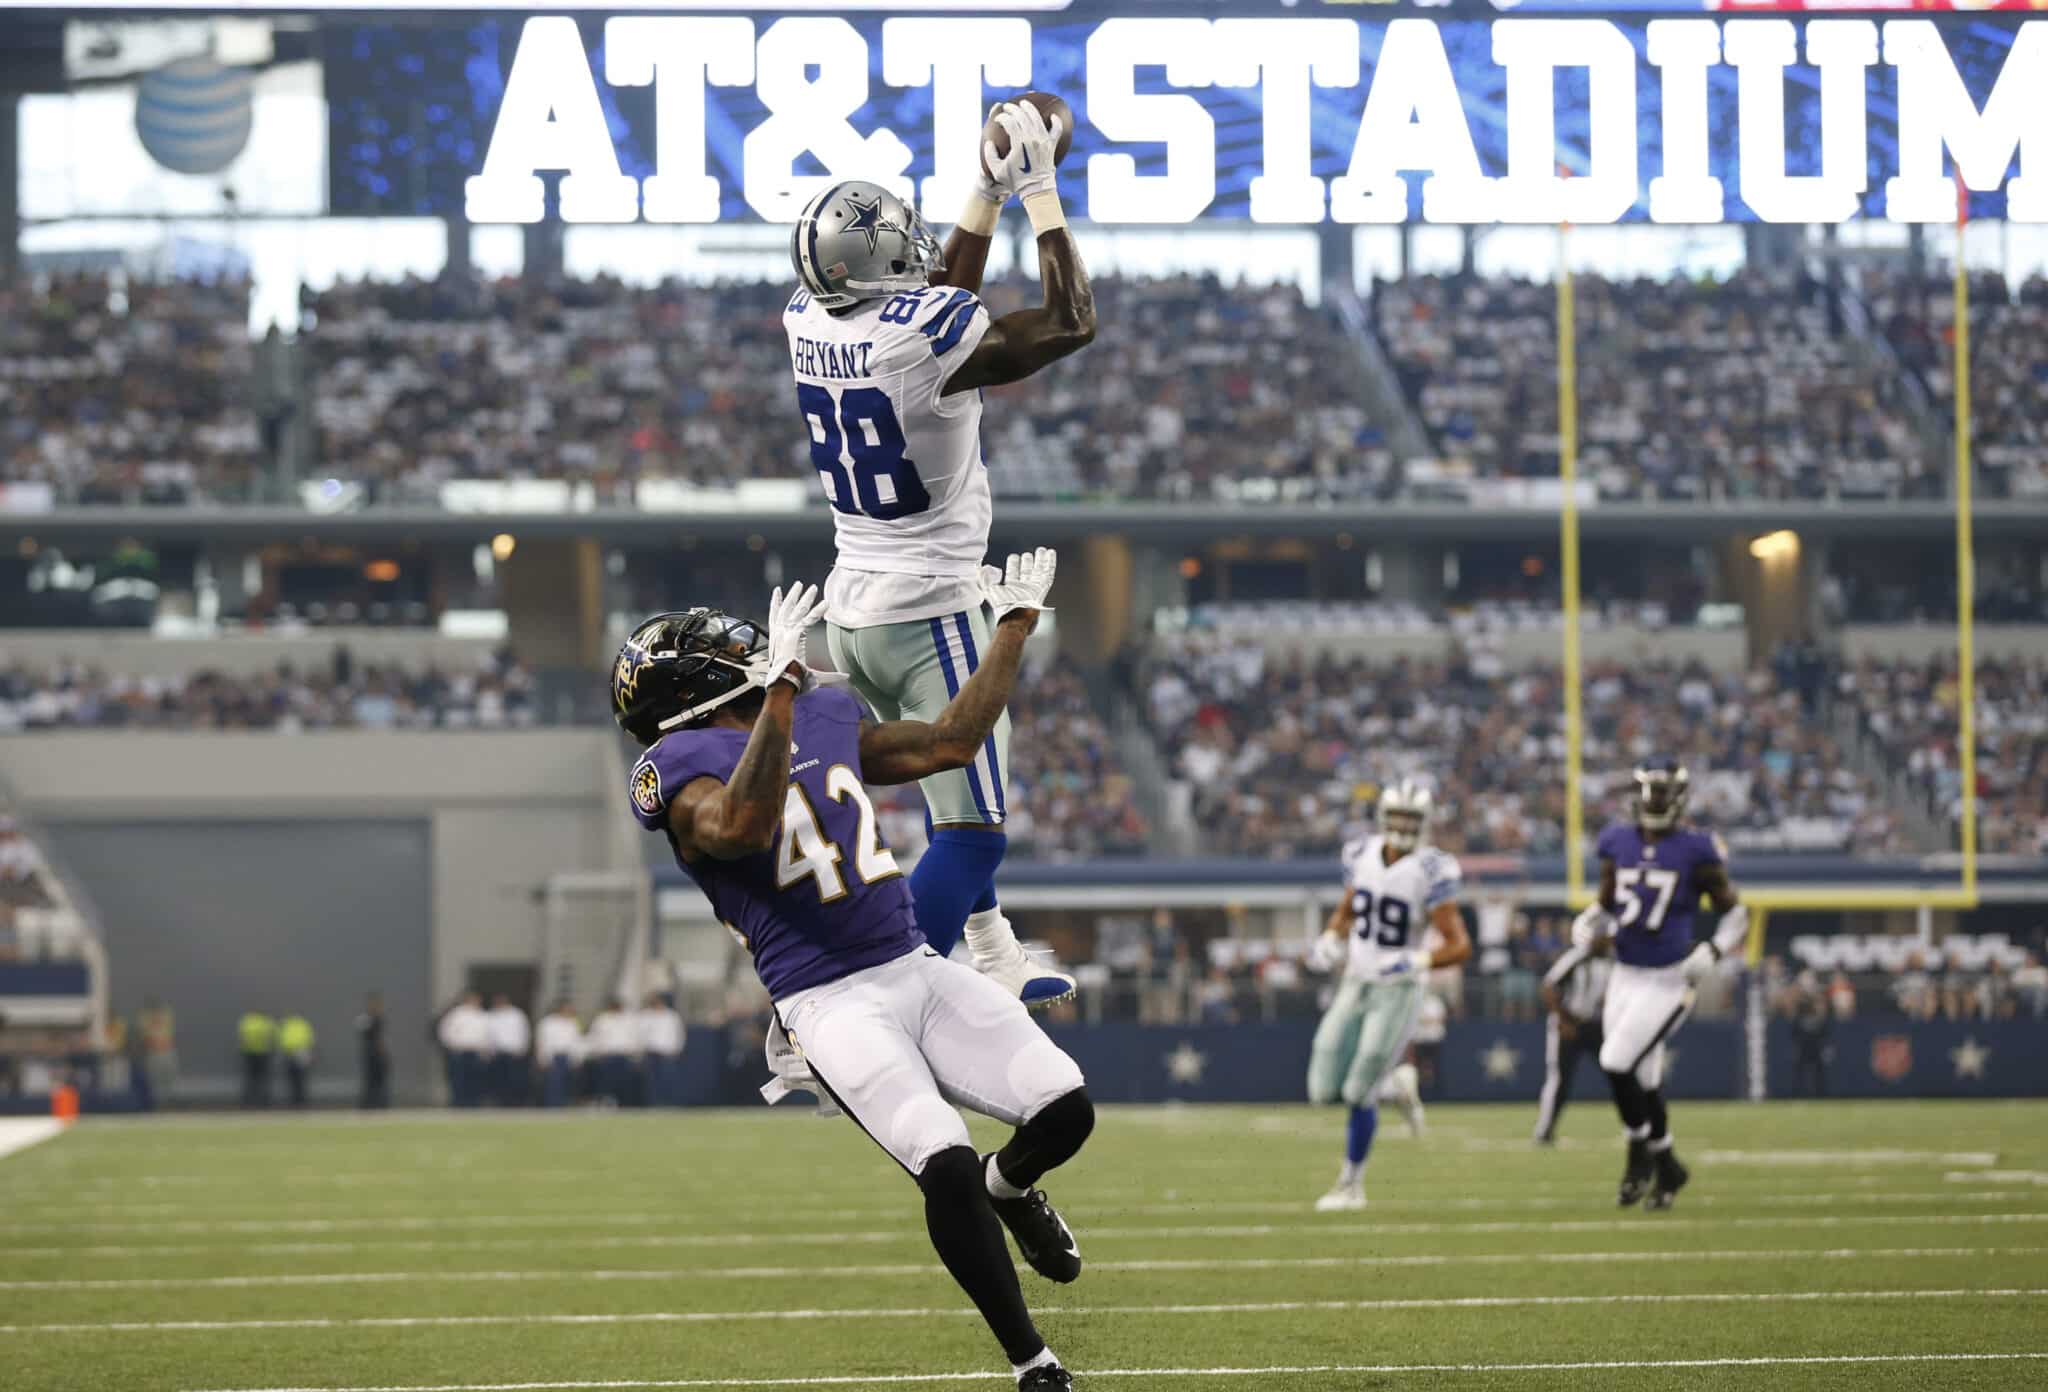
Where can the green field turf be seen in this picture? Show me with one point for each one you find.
(1836, 1245)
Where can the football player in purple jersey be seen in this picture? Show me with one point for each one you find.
(1654, 870)
(791, 858)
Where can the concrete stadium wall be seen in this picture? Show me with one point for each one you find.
(239, 869)
(1930, 642)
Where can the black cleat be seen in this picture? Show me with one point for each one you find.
(1635, 1180)
(1671, 1177)
(1046, 1377)
(1044, 1238)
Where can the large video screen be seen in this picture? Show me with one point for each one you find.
(1294, 119)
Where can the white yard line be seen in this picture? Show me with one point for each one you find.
(1088, 1208)
(1638, 1224)
(1869, 1155)
(1478, 1302)
(1298, 1370)
(21, 1134)
(814, 1274)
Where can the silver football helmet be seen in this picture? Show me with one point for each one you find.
(1404, 813)
(858, 241)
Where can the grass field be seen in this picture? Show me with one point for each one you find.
(1900, 1245)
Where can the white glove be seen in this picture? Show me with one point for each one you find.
(987, 188)
(790, 616)
(1699, 964)
(1028, 168)
(1592, 924)
(1326, 953)
(1414, 962)
(1022, 583)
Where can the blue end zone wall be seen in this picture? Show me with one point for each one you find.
(1478, 1062)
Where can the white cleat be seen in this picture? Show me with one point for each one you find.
(1343, 1198)
(1035, 980)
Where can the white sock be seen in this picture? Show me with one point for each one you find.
(988, 933)
(1352, 1173)
(1045, 1356)
(1661, 1144)
(998, 1187)
(1639, 1133)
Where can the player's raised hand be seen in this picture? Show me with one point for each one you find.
(1029, 166)
(1022, 583)
(986, 186)
(791, 613)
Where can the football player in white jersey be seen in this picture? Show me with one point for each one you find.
(891, 345)
(1397, 888)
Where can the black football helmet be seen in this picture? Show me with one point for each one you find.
(1662, 789)
(678, 668)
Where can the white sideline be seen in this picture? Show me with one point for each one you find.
(1301, 1370)
(883, 1237)
(20, 1135)
(1476, 1302)
(1582, 1199)
(816, 1273)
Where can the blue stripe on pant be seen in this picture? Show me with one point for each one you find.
(953, 680)
(995, 768)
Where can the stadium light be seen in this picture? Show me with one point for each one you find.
(502, 545)
(1775, 546)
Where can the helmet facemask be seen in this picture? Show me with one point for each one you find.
(1404, 816)
(1661, 795)
(678, 668)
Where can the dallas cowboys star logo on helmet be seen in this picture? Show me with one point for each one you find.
(867, 219)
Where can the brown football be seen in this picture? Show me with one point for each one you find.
(1049, 105)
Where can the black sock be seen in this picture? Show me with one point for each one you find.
(1048, 1140)
(969, 1240)
(1659, 1119)
(1631, 1101)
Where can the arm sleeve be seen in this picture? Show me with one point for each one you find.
(950, 334)
(1732, 931)
(1562, 969)
(1445, 880)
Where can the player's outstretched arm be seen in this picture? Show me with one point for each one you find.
(903, 751)
(1019, 344)
(740, 816)
(966, 253)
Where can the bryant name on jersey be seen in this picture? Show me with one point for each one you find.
(898, 456)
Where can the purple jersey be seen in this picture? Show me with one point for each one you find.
(1657, 890)
(826, 899)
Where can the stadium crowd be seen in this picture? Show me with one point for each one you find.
(2008, 365)
(1744, 388)
(1911, 710)
(345, 694)
(140, 393)
(149, 390)
(1283, 754)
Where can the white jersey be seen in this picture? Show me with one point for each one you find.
(1391, 904)
(900, 461)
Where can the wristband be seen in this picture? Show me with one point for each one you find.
(1045, 212)
(979, 216)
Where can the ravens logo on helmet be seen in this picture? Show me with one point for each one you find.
(677, 668)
